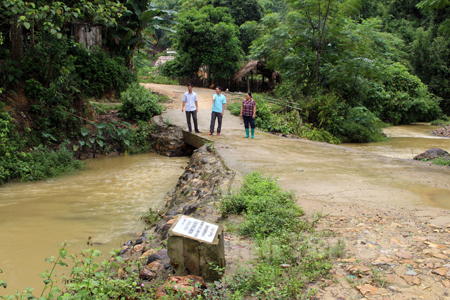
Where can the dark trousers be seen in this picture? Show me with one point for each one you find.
(215, 115)
(249, 119)
(194, 117)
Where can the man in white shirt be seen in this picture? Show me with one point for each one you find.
(190, 102)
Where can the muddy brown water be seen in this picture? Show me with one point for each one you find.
(405, 141)
(105, 201)
(325, 176)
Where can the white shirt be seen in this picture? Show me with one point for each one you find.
(190, 100)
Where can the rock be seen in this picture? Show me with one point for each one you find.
(185, 287)
(169, 140)
(439, 255)
(446, 283)
(433, 245)
(393, 289)
(161, 255)
(148, 253)
(411, 273)
(433, 153)
(140, 240)
(138, 248)
(123, 250)
(404, 254)
(412, 280)
(147, 274)
(367, 289)
(440, 271)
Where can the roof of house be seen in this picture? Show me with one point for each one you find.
(163, 59)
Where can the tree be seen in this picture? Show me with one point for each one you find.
(320, 48)
(136, 28)
(208, 37)
(241, 10)
(52, 17)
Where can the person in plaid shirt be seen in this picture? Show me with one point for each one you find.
(248, 112)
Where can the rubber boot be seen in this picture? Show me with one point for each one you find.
(246, 132)
(253, 133)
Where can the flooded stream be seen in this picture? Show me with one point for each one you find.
(105, 201)
(405, 141)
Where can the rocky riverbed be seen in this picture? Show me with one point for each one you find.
(443, 131)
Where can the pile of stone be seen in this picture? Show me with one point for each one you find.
(198, 189)
(443, 131)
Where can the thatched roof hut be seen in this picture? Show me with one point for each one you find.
(257, 67)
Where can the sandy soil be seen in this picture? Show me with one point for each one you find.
(393, 214)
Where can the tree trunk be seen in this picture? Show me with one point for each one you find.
(16, 42)
(320, 43)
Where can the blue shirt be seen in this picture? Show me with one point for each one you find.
(219, 101)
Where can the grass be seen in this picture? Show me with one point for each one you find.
(105, 108)
(440, 161)
(158, 79)
(441, 122)
(290, 255)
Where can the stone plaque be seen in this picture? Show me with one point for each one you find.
(195, 247)
(196, 228)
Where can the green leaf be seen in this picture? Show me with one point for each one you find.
(84, 131)
(27, 25)
(63, 253)
(100, 143)
(53, 31)
(61, 263)
(92, 140)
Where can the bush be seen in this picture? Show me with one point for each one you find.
(99, 73)
(361, 126)
(267, 207)
(139, 103)
(38, 164)
(139, 138)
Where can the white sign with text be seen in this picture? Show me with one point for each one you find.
(196, 228)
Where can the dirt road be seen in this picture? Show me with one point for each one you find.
(393, 214)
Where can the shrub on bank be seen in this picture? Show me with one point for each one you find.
(139, 103)
(40, 163)
(273, 218)
(268, 208)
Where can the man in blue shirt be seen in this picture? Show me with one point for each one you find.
(190, 102)
(218, 108)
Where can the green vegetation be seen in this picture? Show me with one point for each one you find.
(269, 209)
(39, 163)
(88, 279)
(48, 71)
(197, 27)
(290, 255)
(440, 161)
(139, 103)
(158, 79)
